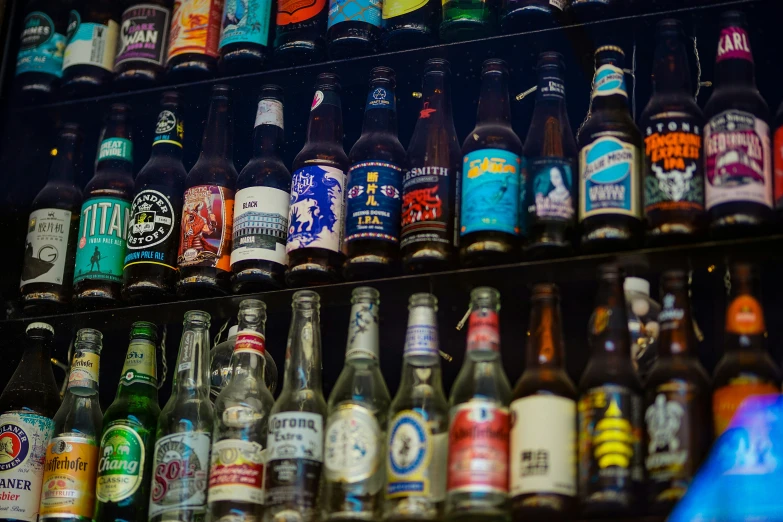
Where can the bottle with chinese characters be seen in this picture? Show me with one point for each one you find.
(244, 38)
(143, 42)
(42, 41)
(193, 43)
(93, 33)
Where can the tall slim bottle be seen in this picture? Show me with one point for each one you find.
(92, 38)
(193, 43)
(143, 42)
(39, 64)
(300, 36)
(408, 24)
(244, 38)
(467, 20)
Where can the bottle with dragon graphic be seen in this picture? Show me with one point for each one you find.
(220, 365)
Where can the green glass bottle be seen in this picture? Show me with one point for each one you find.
(467, 20)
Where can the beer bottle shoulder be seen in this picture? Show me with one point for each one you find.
(212, 171)
(671, 105)
(610, 370)
(434, 146)
(266, 171)
(186, 412)
(142, 409)
(365, 377)
(305, 400)
(687, 369)
(378, 146)
(481, 378)
(79, 414)
(491, 136)
(737, 98)
(738, 364)
(615, 123)
(64, 195)
(26, 394)
(162, 170)
(322, 153)
(545, 381)
(112, 179)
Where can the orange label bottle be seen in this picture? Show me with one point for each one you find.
(69, 478)
(195, 27)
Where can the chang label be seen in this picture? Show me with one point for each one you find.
(41, 47)
(609, 179)
(69, 476)
(139, 364)
(103, 233)
(46, 247)
(120, 464)
(317, 207)
(416, 458)
(490, 192)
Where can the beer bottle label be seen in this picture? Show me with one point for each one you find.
(550, 186)
(317, 205)
(478, 448)
(69, 476)
(294, 11)
(738, 159)
(353, 445)
(90, 44)
(779, 168)
(144, 34)
(169, 129)
(246, 21)
(609, 179)
(46, 247)
(373, 202)
(745, 316)
(205, 233)
(139, 364)
(84, 370)
(121, 464)
(250, 341)
(116, 149)
(236, 472)
(425, 206)
(490, 191)
(103, 231)
(270, 112)
(195, 27)
(394, 8)
(260, 225)
(609, 80)
(179, 473)
(416, 464)
(41, 47)
(726, 400)
(362, 332)
(483, 331)
(24, 436)
(733, 45)
(368, 11)
(153, 221)
(558, 4)
(543, 452)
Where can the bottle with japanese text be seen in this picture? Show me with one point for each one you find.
(194, 39)
(92, 35)
(374, 199)
(471, 20)
(220, 365)
(491, 175)
(543, 463)
(317, 205)
(293, 472)
(27, 408)
(122, 488)
(42, 41)
(354, 451)
(737, 143)
(409, 24)
(353, 27)
(52, 227)
(143, 42)
(105, 216)
(180, 468)
(528, 15)
(244, 39)
(204, 258)
(431, 182)
(479, 421)
(300, 35)
(71, 464)
(746, 368)
(258, 257)
(418, 430)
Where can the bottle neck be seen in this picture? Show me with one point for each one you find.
(268, 131)
(493, 105)
(677, 337)
(64, 163)
(247, 361)
(421, 370)
(218, 132)
(380, 111)
(609, 89)
(551, 89)
(169, 134)
(139, 372)
(192, 372)
(363, 331)
(545, 342)
(421, 337)
(483, 330)
(437, 99)
(83, 377)
(671, 74)
(303, 354)
(115, 155)
(609, 323)
(37, 354)
(326, 118)
(734, 65)
(745, 325)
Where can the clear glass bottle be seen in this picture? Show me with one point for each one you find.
(220, 365)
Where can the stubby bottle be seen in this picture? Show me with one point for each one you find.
(50, 247)
(122, 488)
(354, 473)
(72, 454)
(317, 211)
(353, 27)
(258, 257)
(39, 64)
(194, 39)
(467, 20)
(610, 162)
(300, 36)
(373, 203)
(526, 15)
(204, 258)
(491, 164)
(105, 216)
(417, 445)
(409, 24)
(292, 474)
(27, 408)
(737, 144)
(180, 468)
(220, 365)
(479, 422)
(543, 472)
(150, 270)
(88, 61)
(244, 38)
(144, 39)
(431, 181)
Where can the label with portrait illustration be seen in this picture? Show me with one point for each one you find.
(425, 205)
(152, 237)
(352, 451)
(733, 45)
(144, 34)
(237, 472)
(69, 474)
(368, 11)
(373, 202)
(121, 463)
(416, 461)
(46, 246)
(195, 27)
(90, 44)
(317, 206)
(490, 191)
(206, 229)
(609, 81)
(140, 364)
(179, 473)
(296, 11)
(394, 8)
(100, 249)
(550, 185)
(609, 178)
(726, 400)
(260, 225)
(778, 152)
(295, 447)
(41, 47)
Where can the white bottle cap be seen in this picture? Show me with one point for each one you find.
(40, 326)
(637, 284)
(232, 332)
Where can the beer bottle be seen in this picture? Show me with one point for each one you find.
(193, 43)
(301, 31)
(27, 406)
(591, 10)
(353, 27)
(543, 430)
(489, 224)
(150, 270)
(746, 368)
(293, 473)
(417, 446)
(208, 208)
(69, 490)
(408, 24)
(125, 466)
(527, 15)
(469, 20)
(258, 257)
(144, 37)
(92, 36)
(180, 466)
(676, 402)
(103, 229)
(778, 163)
(39, 64)
(220, 365)
(429, 186)
(479, 424)
(241, 419)
(610, 162)
(316, 214)
(738, 155)
(373, 203)
(611, 469)
(244, 38)
(50, 247)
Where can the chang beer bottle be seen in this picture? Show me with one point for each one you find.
(72, 455)
(125, 465)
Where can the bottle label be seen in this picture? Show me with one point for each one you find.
(121, 464)
(417, 458)
(315, 218)
(368, 11)
(260, 225)
(363, 332)
(543, 453)
(353, 445)
(41, 47)
(738, 159)
(237, 472)
(726, 400)
(153, 221)
(294, 458)
(609, 81)
(69, 475)
(551, 87)
(169, 129)
(195, 27)
(421, 339)
(373, 202)
(144, 34)
(609, 179)
(425, 206)
(205, 233)
(550, 185)
(296, 11)
(484, 331)
(84, 370)
(745, 316)
(46, 247)
(245, 21)
(24, 437)
(103, 233)
(116, 148)
(490, 191)
(733, 45)
(90, 44)
(478, 448)
(250, 341)
(139, 364)
(269, 112)
(610, 449)
(179, 473)
(381, 98)
(394, 8)
(558, 4)
(779, 168)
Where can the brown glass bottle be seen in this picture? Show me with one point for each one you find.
(144, 39)
(526, 15)
(300, 35)
(409, 25)
(195, 36)
(591, 10)
(39, 64)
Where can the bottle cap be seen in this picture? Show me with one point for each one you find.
(40, 326)
(637, 284)
(232, 332)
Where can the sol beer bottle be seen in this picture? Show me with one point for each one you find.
(88, 61)
(144, 38)
(39, 64)
(353, 27)
(409, 24)
(301, 31)
(244, 39)
(193, 43)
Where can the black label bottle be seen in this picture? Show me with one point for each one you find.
(144, 39)
(353, 27)
(42, 40)
(301, 31)
(244, 39)
(525, 15)
(409, 23)
(93, 33)
(193, 42)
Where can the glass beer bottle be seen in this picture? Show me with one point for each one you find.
(220, 365)
(88, 61)
(353, 27)
(300, 35)
(39, 64)
(193, 43)
(593, 10)
(144, 39)
(244, 39)
(408, 24)
(529, 15)
(467, 20)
